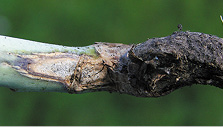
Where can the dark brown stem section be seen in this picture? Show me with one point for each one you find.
(159, 66)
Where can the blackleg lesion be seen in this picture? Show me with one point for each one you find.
(90, 74)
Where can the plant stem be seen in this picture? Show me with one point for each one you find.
(28, 66)
(14, 55)
(154, 68)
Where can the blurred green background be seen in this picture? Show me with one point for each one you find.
(83, 22)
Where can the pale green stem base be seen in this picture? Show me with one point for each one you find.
(11, 48)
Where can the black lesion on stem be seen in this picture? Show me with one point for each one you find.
(161, 65)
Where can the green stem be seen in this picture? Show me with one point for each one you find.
(14, 51)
